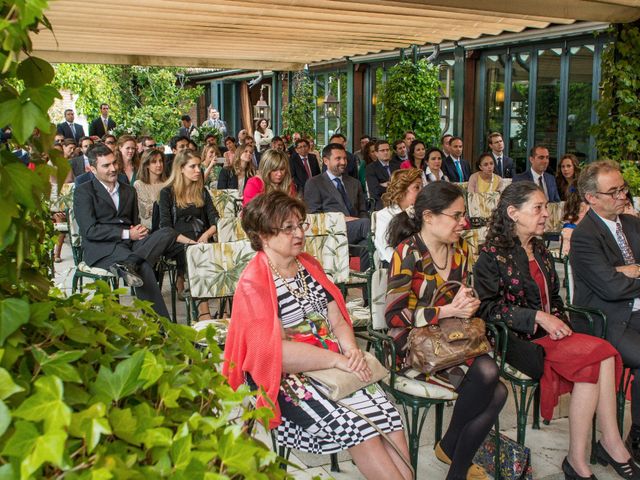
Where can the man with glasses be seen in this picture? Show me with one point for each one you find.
(103, 124)
(379, 173)
(147, 143)
(110, 141)
(536, 173)
(604, 255)
(303, 165)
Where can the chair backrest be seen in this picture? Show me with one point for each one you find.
(74, 229)
(214, 269)
(327, 241)
(554, 222)
(480, 205)
(64, 198)
(230, 229)
(378, 301)
(226, 202)
(475, 238)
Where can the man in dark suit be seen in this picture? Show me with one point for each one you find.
(605, 249)
(112, 237)
(379, 173)
(80, 164)
(352, 161)
(503, 164)
(103, 124)
(332, 191)
(187, 128)
(70, 129)
(454, 166)
(539, 161)
(303, 165)
(401, 151)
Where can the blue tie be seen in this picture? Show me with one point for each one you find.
(345, 198)
(459, 169)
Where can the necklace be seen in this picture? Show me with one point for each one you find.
(446, 260)
(299, 278)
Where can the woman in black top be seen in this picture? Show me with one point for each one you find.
(186, 206)
(236, 175)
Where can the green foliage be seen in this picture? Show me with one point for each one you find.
(143, 100)
(618, 129)
(409, 100)
(90, 388)
(631, 175)
(297, 115)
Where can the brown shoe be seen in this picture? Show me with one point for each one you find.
(475, 472)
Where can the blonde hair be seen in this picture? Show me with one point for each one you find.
(236, 164)
(271, 161)
(207, 148)
(399, 184)
(185, 193)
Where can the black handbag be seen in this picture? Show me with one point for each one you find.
(525, 356)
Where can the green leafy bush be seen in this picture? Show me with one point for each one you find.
(631, 175)
(297, 115)
(90, 388)
(618, 129)
(409, 100)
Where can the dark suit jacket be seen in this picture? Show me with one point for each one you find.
(549, 180)
(593, 256)
(449, 169)
(186, 132)
(376, 174)
(77, 166)
(97, 127)
(64, 129)
(227, 178)
(100, 224)
(298, 172)
(321, 195)
(507, 166)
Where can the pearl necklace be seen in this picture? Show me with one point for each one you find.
(297, 293)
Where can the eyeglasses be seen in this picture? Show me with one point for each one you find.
(456, 216)
(289, 229)
(618, 193)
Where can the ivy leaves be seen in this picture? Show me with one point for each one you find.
(297, 115)
(409, 100)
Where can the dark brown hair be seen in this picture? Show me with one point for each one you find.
(143, 171)
(265, 214)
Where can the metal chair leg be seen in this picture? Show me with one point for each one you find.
(334, 463)
(592, 457)
(439, 421)
(536, 409)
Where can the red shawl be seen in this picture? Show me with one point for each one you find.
(254, 340)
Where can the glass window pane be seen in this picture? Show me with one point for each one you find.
(519, 109)
(547, 103)
(320, 126)
(494, 94)
(446, 97)
(579, 102)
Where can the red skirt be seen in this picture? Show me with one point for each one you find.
(574, 359)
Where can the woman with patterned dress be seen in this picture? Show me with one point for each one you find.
(287, 318)
(429, 251)
(517, 283)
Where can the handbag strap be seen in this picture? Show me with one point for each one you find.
(382, 434)
(443, 289)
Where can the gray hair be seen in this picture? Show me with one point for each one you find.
(588, 179)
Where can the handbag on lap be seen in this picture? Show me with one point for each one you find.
(450, 342)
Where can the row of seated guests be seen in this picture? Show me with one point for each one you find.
(289, 318)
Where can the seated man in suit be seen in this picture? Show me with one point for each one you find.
(539, 161)
(454, 166)
(80, 164)
(303, 165)
(378, 173)
(503, 164)
(605, 249)
(445, 143)
(335, 192)
(187, 129)
(352, 160)
(112, 236)
(401, 151)
(70, 129)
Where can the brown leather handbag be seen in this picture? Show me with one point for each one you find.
(451, 342)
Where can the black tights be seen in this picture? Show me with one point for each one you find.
(481, 396)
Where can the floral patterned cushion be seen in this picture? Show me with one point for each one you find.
(432, 388)
(554, 222)
(74, 229)
(482, 204)
(225, 201)
(214, 268)
(230, 229)
(360, 316)
(327, 241)
(516, 373)
(475, 238)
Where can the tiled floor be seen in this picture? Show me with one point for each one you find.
(548, 445)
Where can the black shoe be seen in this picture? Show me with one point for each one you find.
(128, 273)
(627, 470)
(633, 445)
(570, 473)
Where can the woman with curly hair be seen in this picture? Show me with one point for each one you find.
(273, 174)
(567, 174)
(401, 193)
(127, 158)
(517, 283)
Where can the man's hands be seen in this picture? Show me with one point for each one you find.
(138, 232)
(631, 271)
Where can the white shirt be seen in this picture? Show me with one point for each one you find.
(611, 225)
(383, 219)
(536, 176)
(430, 176)
(115, 196)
